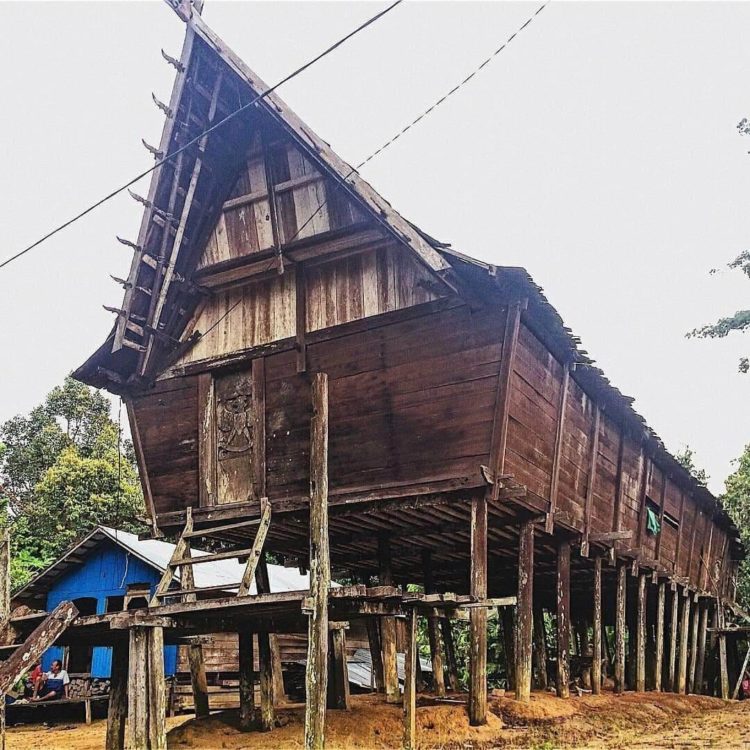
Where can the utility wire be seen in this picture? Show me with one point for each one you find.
(195, 140)
(391, 141)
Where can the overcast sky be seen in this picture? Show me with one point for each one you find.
(599, 151)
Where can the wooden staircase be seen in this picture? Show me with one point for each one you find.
(183, 560)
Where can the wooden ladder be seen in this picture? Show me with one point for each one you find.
(183, 559)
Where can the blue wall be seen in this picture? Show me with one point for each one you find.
(107, 571)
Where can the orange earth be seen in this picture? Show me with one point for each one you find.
(641, 721)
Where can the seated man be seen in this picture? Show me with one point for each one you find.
(53, 685)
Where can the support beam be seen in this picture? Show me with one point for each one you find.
(596, 661)
(247, 680)
(478, 616)
(549, 523)
(675, 618)
(388, 627)
(540, 649)
(433, 631)
(263, 584)
(117, 710)
(450, 654)
(410, 682)
(146, 725)
(373, 637)
(198, 679)
(684, 633)
(338, 675)
(659, 636)
(563, 619)
(157, 697)
(622, 572)
(316, 676)
(640, 635)
(525, 611)
(723, 671)
(701, 660)
(508, 617)
(693, 648)
(265, 665)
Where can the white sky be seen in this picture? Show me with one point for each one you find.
(599, 151)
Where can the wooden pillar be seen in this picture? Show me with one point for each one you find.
(540, 649)
(478, 615)
(265, 666)
(563, 619)
(723, 671)
(117, 710)
(316, 674)
(622, 572)
(684, 632)
(450, 653)
(146, 725)
(659, 636)
(675, 618)
(388, 627)
(433, 631)
(525, 611)
(376, 653)
(701, 660)
(263, 584)
(509, 644)
(198, 679)
(640, 635)
(247, 680)
(596, 660)
(693, 648)
(338, 672)
(410, 682)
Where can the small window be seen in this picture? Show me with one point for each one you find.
(671, 520)
(115, 603)
(86, 605)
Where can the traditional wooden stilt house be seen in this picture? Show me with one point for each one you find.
(309, 374)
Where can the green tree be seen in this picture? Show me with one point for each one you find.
(736, 500)
(64, 470)
(686, 458)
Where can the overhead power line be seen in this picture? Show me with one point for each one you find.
(195, 140)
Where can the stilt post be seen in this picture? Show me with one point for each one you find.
(338, 675)
(146, 725)
(701, 660)
(723, 671)
(525, 611)
(316, 677)
(247, 680)
(563, 619)
(659, 636)
(450, 654)
(376, 652)
(622, 572)
(478, 615)
(684, 633)
(433, 631)
(388, 626)
(596, 660)
(675, 618)
(117, 710)
(640, 635)
(410, 682)
(540, 649)
(693, 648)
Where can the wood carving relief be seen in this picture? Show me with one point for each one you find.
(234, 418)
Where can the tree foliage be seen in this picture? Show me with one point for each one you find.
(736, 501)
(64, 470)
(686, 458)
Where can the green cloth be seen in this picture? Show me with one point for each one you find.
(652, 522)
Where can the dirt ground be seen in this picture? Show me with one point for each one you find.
(641, 721)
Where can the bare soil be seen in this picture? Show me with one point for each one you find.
(641, 721)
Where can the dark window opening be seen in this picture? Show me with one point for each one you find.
(79, 658)
(671, 520)
(86, 605)
(115, 603)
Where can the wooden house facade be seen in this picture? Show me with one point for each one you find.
(472, 447)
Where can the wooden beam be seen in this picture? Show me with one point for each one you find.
(206, 440)
(596, 663)
(701, 660)
(157, 708)
(256, 555)
(620, 601)
(265, 665)
(563, 619)
(140, 458)
(673, 643)
(684, 633)
(388, 626)
(540, 649)
(593, 465)
(450, 653)
(695, 618)
(640, 635)
(507, 615)
(549, 523)
(723, 671)
(680, 533)
(662, 503)
(117, 710)
(525, 612)
(338, 675)
(316, 677)
(619, 489)
(478, 617)
(277, 692)
(300, 335)
(410, 686)
(659, 635)
(146, 725)
(433, 631)
(247, 679)
(376, 653)
(259, 428)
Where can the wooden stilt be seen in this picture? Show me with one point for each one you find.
(596, 660)
(247, 680)
(478, 616)
(622, 572)
(338, 674)
(684, 633)
(410, 686)
(693, 648)
(640, 635)
(659, 636)
(525, 611)
(198, 679)
(450, 654)
(723, 671)
(265, 665)
(316, 676)
(263, 584)
(117, 710)
(433, 631)
(509, 644)
(157, 698)
(540, 649)
(146, 725)
(388, 627)
(701, 660)
(675, 618)
(563, 619)
(376, 652)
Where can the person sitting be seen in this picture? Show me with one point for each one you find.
(53, 685)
